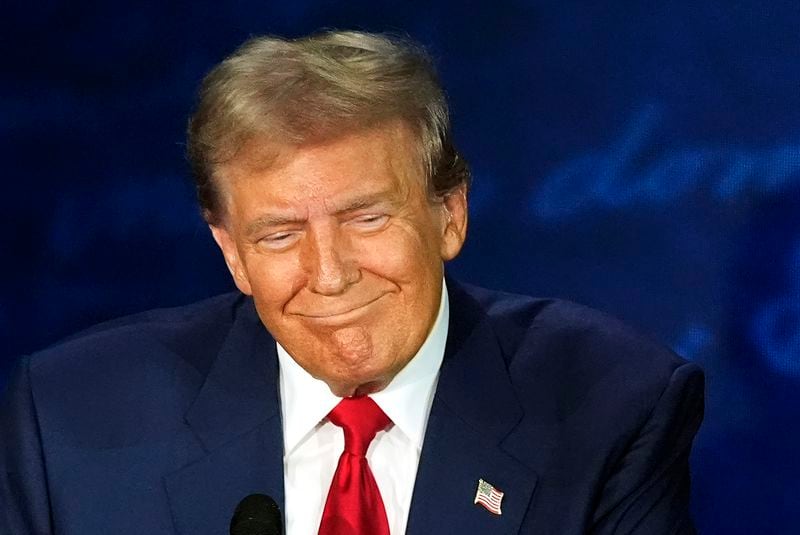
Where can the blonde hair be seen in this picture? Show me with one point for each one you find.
(292, 91)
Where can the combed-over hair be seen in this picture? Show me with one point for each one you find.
(292, 91)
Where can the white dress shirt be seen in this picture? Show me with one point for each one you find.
(312, 444)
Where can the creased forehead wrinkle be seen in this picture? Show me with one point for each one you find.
(258, 156)
(292, 91)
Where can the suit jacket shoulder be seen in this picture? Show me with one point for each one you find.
(147, 424)
(192, 332)
(602, 415)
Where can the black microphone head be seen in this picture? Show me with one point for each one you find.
(257, 514)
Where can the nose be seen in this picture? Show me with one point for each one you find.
(330, 265)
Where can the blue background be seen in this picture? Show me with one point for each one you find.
(639, 157)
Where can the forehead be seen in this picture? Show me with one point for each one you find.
(279, 181)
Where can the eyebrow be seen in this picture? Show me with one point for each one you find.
(271, 220)
(358, 203)
(363, 202)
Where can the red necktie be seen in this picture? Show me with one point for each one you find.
(354, 505)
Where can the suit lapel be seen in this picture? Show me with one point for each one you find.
(474, 410)
(236, 419)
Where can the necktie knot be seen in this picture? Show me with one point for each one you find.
(361, 419)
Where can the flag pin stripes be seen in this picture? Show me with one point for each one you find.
(489, 497)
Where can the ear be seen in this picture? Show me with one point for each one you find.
(231, 253)
(454, 223)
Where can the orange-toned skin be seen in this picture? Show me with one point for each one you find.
(342, 250)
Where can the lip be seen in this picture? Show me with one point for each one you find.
(341, 316)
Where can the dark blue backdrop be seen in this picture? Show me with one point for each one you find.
(640, 157)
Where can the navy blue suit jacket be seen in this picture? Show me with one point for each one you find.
(162, 422)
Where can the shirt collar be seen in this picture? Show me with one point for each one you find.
(306, 401)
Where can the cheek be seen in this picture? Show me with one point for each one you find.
(274, 280)
(410, 245)
(392, 258)
(411, 268)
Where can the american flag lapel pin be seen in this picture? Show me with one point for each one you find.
(489, 497)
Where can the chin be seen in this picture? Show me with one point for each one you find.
(350, 389)
(358, 384)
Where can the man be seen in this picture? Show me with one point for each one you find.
(328, 177)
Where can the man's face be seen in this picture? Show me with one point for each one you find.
(342, 251)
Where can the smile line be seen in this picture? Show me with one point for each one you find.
(336, 314)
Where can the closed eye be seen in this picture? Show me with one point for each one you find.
(279, 240)
(370, 221)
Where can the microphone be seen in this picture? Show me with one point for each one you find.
(257, 514)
